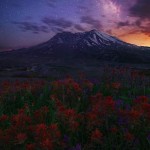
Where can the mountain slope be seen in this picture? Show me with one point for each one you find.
(75, 47)
(96, 45)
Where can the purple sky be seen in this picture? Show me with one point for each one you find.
(24, 23)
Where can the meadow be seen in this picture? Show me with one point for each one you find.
(77, 114)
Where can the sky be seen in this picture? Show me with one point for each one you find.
(24, 23)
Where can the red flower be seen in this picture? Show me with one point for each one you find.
(146, 110)
(110, 103)
(129, 137)
(116, 85)
(96, 135)
(74, 125)
(146, 107)
(45, 109)
(1, 135)
(91, 116)
(53, 127)
(76, 87)
(113, 129)
(41, 132)
(47, 144)
(21, 137)
(88, 84)
(30, 147)
(134, 115)
(143, 99)
(20, 120)
(69, 113)
(40, 128)
(6, 84)
(3, 118)
(54, 130)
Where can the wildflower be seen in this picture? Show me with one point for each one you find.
(113, 129)
(148, 138)
(146, 107)
(30, 147)
(76, 87)
(45, 109)
(74, 125)
(3, 118)
(41, 127)
(88, 84)
(134, 115)
(118, 103)
(143, 99)
(6, 84)
(77, 147)
(20, 120)
(116, 85)
(54, 130)
(66, 139)
(21, 111)
(47, 144)
(70, 113)
(21, 137)
(96, 135)
(128, 136)
(1, 135)
(41, 131)
(110, 104)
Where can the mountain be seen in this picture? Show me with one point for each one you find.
(92, 46)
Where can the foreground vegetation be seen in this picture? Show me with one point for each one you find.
(80, 114)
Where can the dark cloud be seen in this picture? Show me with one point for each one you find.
(109, 32)
(135, 31)
(61, 23)
(138, 22)
(78, 27)
(123, 24)
(30, 26)
(145, 29)
(141, 9)
(47, 24)
(56, 29)
(96, 24)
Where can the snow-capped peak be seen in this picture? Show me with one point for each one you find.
(105, 37)
(91, 38)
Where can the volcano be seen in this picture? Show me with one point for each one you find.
(92, 46)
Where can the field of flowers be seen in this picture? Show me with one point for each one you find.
(77, 114)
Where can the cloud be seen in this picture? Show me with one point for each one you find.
(46, 25)
(96, 24)
(145, 29)
(135, 31)
(138, 23)
(30, 26)
(59, 23)
(123, 24)
(109, 32)
(141, 9)
(79, 27)
(56, 29)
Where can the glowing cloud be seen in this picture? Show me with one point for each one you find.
(110, 8)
